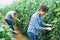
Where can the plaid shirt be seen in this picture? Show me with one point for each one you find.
(36, 23)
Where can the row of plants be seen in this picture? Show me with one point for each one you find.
(4, 32)
(28, 7)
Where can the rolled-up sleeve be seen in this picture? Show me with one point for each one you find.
(43, 23)
(34, 22)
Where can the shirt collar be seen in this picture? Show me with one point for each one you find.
(38, 14)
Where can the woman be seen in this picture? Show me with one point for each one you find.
(37, 24)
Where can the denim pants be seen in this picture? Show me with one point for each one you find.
(32, 36)
(9, 22)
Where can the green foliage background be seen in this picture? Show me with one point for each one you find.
(4, 32)
(28, 7)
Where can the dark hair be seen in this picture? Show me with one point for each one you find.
(16, 11)
(43, 8)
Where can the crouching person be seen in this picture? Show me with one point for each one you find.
(9, 15)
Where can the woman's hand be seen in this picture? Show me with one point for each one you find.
(48, 25)
(47, 28)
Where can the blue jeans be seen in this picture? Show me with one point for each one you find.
(32, 36)
(9, 22)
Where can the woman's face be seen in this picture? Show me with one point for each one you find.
(42, 12)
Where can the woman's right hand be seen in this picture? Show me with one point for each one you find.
(47, 28)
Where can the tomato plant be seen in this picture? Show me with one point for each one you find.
(28, 7)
